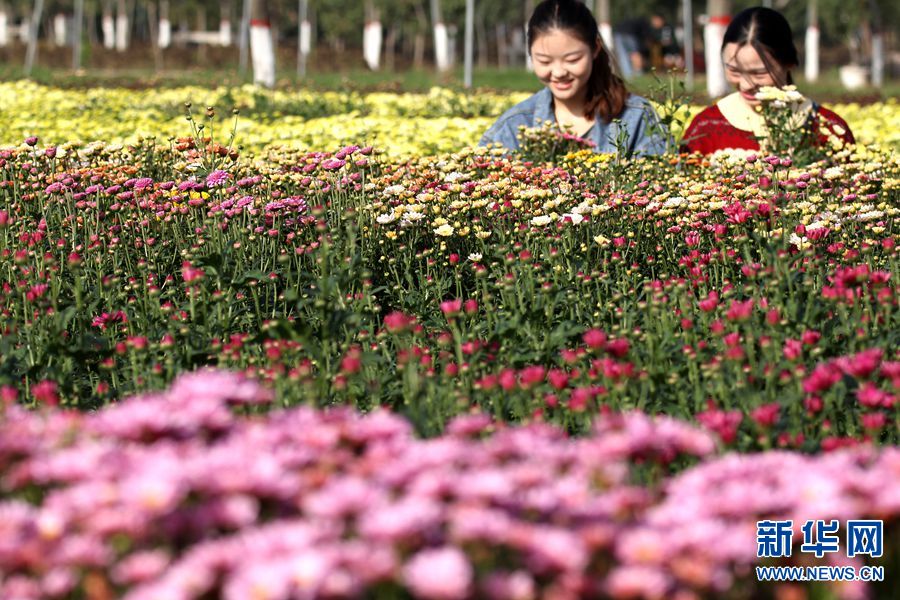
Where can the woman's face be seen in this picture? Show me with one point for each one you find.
(563, 63)
(746, 70)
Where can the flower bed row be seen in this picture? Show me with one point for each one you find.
(746, 293)
(196, 493)
(402, 124)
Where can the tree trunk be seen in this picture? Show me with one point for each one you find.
(202, 49)
(877, 58)
(452, 45)
(4, 24)
(77, 32)
(33, 24)
(25, 29)
(140, 28)
(372, 36)
(225, 16)
(262, 48)
(482, 38)
(502, 46)
(244, 40)
(441, 39)
(529, 8)
(59, 29)
(164, 36)
(419, 50)
(312, 27)
(811, 66)
(108, 25)
(719, 12)
(122, 24)
(93, 34)
(390, 48)
(419, 43)
(877, 44)
(864, 44)
(154, 23)
(601, 10)
(687, 21)
(469, 43)
(523, 34)
(372, 39)
(303, 35)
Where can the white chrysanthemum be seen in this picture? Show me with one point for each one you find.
(575, 217)
(832, 173)
(729, 156)
(444, 230)
(583, 208)
(535, 193)
(858, 209)
(475, 257)
(541, 220)
(798, 241)
(455, 176)
(413, 215)
(394, 190)
(871, 215)
(779, 96)
(386, 218)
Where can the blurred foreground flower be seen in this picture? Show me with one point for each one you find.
(175, 495)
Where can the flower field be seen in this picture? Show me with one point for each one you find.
(580, 378)
(173, 496)
(399, 124)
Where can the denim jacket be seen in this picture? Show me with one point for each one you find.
(636, 118)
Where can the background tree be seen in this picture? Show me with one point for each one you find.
(856, 31)
(262, 46)
(34, 25)
(718, 14)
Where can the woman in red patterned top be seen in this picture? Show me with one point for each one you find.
(758, 50)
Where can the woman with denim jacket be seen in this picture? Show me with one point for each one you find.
(582, 95)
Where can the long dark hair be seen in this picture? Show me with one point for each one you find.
(606, 91)
(769, 33)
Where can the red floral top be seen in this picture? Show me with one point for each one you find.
(710, 131)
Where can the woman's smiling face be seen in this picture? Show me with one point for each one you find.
(563, 63)
(746, 70)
